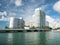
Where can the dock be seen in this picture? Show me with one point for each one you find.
(22, 30)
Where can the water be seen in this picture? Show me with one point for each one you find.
(30, 38)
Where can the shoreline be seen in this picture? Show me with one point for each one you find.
(23, 30)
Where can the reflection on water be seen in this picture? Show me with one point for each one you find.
(43, 38)
(30, 38)
(53, 38)
(10, 39)
(18, 38)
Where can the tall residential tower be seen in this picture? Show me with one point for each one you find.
(39, 18)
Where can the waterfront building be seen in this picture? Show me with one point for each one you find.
(39, 18)
(16, 22)
(26, 27)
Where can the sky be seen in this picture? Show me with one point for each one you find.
(26, 8)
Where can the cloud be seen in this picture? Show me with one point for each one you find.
(56, 6)
(4, 19)
(3, 16)
(52, 22)
(3, 13)
(18, 2)
(58, 22)
(12, 14)
(33, 1)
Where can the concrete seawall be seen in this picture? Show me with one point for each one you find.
(22, 30)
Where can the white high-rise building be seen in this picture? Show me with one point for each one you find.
(16, 23)
(39, 18)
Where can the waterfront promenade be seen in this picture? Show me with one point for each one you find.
(22, 30)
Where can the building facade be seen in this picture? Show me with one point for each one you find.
(16, 23)
(39, 18)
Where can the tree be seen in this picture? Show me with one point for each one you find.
(47, 27)
(32, 27)
(6, 27)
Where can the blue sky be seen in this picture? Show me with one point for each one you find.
(25, 8)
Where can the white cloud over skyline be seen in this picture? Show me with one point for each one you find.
(11, 14)
(3, 16)
(52, 22)
(56, 6)
(18, 2)
(4, 19)
(3, 13)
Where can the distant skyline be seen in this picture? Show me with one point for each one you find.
(26, 8)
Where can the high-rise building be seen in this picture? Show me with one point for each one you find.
(16, 23)
(39, 18)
